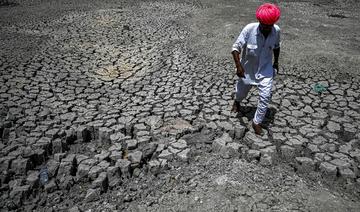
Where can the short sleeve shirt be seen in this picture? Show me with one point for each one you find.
(257, 52)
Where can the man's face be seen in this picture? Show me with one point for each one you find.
(265, 28)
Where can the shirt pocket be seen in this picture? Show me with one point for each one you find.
(271, 47)
(251, 50)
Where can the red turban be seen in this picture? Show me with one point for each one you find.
(268, 14)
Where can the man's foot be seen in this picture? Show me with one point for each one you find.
(236, 107)
(257, 128)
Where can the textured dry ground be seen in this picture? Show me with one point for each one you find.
(126, 103)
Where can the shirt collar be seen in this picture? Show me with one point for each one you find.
(259, 33)
(258, 29)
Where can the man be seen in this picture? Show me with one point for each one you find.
(257, 42)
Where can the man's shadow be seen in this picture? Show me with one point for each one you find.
(249, 112)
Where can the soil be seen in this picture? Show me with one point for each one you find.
(109, 81)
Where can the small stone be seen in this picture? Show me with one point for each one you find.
(135, 157)
(327, 169)
(164, 164)
(104, 135)
(94, 172)
(117, 137)
(103, 155)
(355, 154)
(5, 163)
(33, 179)
(101, 182)
(287, 152)
(149, 150)
(83, 134)
(124, 166)
(251, 138)
(71, 158)
(131, 144)
(154, 166)
(44, 144)
(66, 183)
(184, 155)
(52, 133)
(234, 149)
(113, 175)
(15, 183)
(279, 138)
(312, 148)
(266, 160)
(143, 141)
(19, 193)
(224, 152)
(115, 147)
(104, 164)
(258, 144)
(173, 150)
(154, 122)
(51, 186)
(139, 127)
(211, 125)
(80, 158)
(333, 126)
(67, 116)
(115, 155)
(52, 167)
(59, 156)
(57, 146)
(308, 109)
(253, 154)
(227, 127)
(221, 142)
(341, 164)
(239, 130)
(328, 147)
(92, 195)
(347, 173)
(218, 144)
(28, 152)
(304, 164)
(74, 209)
(160, 148)
(20, 166)
(296, 143)
(179, 144)
(166, 154)
(345, 149)
(83, 171)
(270, 150)
(66, 168)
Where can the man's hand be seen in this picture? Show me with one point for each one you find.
(239, 69)
(276, 59)
(240, 72)
(276, 66)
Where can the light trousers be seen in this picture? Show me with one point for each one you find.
(264, 88)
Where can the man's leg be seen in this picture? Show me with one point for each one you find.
(265, 96)
(241, 91)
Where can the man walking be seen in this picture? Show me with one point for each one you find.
(257, 42)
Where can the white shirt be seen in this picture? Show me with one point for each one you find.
(257, 52)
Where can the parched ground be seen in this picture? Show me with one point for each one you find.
(125, 106)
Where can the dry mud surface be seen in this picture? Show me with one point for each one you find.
(126, 105)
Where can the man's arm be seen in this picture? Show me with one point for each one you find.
(276, 58)
(277, 49)
(239, 69)
(236, 51)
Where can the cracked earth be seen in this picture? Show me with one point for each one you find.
(125, 106)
